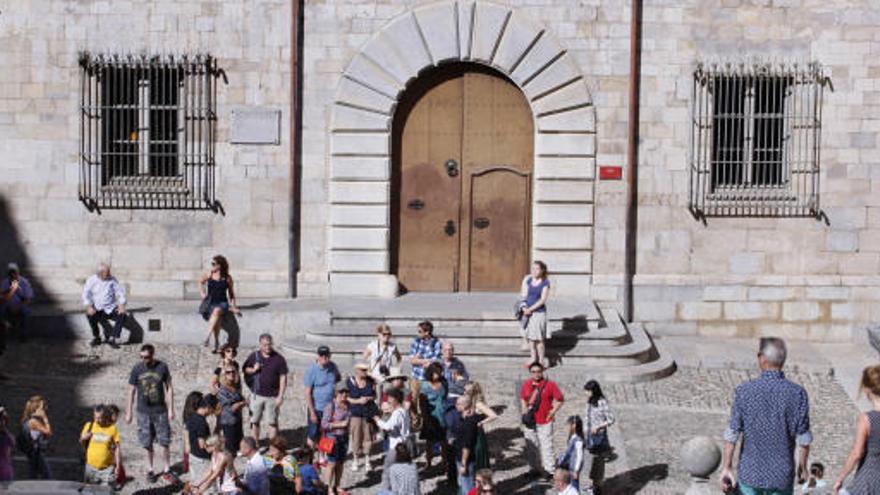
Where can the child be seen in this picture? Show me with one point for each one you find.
(121, 476)
(573, 457)
(311, 482)
(815, 484)
(482, 479)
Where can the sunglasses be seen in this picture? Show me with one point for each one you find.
(146, 357)
(230, 351)
(230, 372)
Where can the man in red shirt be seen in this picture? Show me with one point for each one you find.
(548, 397)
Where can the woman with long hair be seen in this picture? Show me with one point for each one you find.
(216, 288)
(231, 404)
(36, 428)
(598, 418)
(190, 404)
(865, 454)
(474, 392)
(433, 392)
(222, 476)
(381, 354)
(535, 291)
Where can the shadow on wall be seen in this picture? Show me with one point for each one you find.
(54, 371)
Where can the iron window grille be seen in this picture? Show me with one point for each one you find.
(755, 139)
(147, 132)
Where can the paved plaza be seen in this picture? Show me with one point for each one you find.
(653, 418)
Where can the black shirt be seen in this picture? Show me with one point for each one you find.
(150, 382)
(466, 436)
(197, 427)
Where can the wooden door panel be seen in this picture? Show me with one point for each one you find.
(429, 198)
(498, 132)
(498, 229)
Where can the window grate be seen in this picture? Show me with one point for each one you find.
(147, 132)
(755, 139)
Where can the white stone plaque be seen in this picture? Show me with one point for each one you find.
(255, 126)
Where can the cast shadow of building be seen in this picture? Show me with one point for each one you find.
(53, 366)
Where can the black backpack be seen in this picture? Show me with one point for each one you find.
(24, 441)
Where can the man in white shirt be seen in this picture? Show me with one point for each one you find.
(256, 478)
(104, 299)
(562, 482)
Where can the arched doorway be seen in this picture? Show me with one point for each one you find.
(462, 163)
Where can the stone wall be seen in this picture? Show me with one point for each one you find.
(156, 253)
(795, 277)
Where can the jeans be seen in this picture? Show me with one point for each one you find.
(744, 489)
(38, 467)
(465, 481)
(313, 430)
(101, 317)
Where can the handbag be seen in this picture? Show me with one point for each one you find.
(205, 307)
(326, 444)
(528, 419)
(598, 442)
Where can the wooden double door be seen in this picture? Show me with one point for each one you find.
(462, 184)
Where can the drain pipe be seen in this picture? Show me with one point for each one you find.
(293, 251)
(632, 157)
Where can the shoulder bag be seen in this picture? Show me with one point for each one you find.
(327, 443)
(528, 418)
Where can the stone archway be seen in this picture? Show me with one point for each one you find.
(360, 127)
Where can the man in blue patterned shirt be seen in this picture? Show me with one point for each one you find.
(424, 350)
(771, 414)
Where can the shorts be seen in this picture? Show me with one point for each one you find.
(260, 404)
(153, 426)
(744, 489)
(198, 468)
(224, 307)
(95, 476)
(340, 449)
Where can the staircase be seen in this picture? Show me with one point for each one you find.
(584, 336)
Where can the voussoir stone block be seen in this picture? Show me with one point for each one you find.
(404, 34)
(489, 21)
(368, 73)
(359, 192)
(517, 38)
(563, 70)
(564, 237)
(566, 261)
(541, 54)
(383, 53)
(356, 94)
(348, 143)
(565, 145)
(563, 214)
(438, 25)
(581, 119)
(346, 118)
(555, 191)
(571, 95)
(359, 261)
(563, 167)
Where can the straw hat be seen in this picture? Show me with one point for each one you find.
(394, 372)
(362, 366)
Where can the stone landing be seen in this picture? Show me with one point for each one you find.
(586, 337)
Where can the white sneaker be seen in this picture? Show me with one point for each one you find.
(354, 465)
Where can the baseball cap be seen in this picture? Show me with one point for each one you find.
(323, 350)
(12, 267)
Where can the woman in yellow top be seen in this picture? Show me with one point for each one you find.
(100, 438)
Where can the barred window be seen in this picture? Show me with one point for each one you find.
(755, 139)
(147, 132)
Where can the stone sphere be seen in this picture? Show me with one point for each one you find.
(700, 457)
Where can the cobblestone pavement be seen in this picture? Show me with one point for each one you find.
(653, 419)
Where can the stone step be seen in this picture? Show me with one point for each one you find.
(466, 335)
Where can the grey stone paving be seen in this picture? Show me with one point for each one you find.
(654, 418)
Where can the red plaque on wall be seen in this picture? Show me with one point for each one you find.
(610, 172)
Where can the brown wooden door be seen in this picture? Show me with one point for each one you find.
(462, 205)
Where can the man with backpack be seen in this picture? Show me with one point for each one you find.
(265, 373)
(540, 399)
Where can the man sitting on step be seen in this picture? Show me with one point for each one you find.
(424, 350)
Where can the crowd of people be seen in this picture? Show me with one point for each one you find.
(378, 417)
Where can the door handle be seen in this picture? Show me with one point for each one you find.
(449, 228)
(451, 167)
(481, 223)
(416, 204)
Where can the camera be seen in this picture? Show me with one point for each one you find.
(383, 370)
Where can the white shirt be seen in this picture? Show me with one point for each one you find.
(397, 427)
(256, 479)
(569, 490)
(104, 295)
(379, 357)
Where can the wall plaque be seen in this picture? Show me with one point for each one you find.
(255, 126)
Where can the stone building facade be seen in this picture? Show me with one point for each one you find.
(337, 230)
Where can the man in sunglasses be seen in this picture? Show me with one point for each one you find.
(150, 381)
